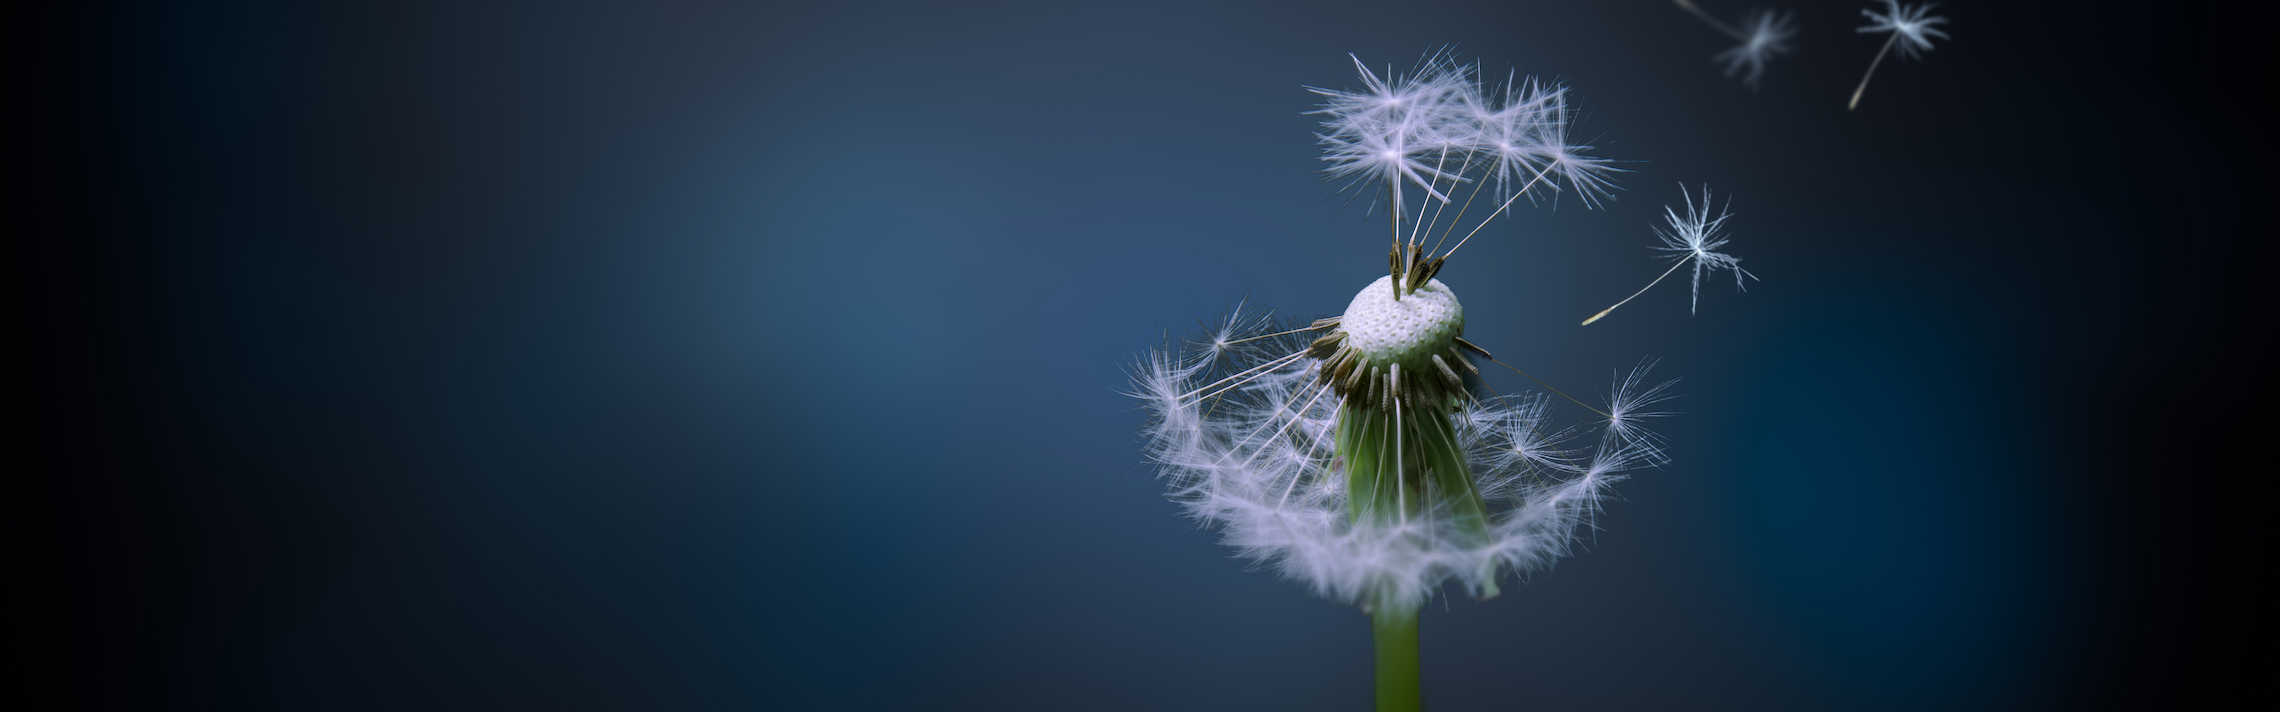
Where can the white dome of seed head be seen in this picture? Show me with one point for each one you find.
(1405, 330)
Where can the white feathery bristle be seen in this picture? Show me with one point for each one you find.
(1589, 176)
(1524, 437)
(1630, 404)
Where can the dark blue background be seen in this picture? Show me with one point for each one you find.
(751, 356)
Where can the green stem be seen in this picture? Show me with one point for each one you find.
(1396, 632)
(1389, 462)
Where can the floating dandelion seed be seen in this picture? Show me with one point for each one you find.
(1769, 35)
(1911, 28)
(1352, 452)
(1764, 36)
(1693, 238)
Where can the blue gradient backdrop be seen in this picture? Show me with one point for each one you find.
(732, 356)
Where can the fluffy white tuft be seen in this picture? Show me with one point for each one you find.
(1439, 126)
(1632, 402)
(1397, 128)
(1766, 35)
(1696, 236)
(1914, 24)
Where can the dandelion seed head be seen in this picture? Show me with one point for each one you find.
(1351, 453)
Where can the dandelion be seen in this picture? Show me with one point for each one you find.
(1767, 36)
(1352, 452)
(1911, 27)
(1693, 238)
